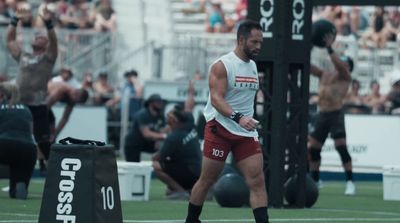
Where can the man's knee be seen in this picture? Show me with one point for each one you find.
(255, 180)
(344, 153)
(315, 154)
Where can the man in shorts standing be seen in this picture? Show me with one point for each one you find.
(233, 83)
(333, 87)
(35, 70)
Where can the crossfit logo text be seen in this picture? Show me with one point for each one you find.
(69, 167)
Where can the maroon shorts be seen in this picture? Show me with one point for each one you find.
(218, 142)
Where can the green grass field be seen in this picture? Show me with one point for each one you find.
(332, 206)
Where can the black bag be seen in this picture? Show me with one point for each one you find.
(81, 184)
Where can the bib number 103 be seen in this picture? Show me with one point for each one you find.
(108, 197)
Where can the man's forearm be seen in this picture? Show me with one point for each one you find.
(12, 33)
(53, 47)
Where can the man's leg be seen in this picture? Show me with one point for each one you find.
(341, 147)
(314, 155)
(210, 172)
(252, 170)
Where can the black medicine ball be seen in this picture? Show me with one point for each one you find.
(230, 190)
(319, 29)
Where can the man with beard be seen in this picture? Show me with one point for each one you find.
(35, 70)
(233, 83)
(147, 129)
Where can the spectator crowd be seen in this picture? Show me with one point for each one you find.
(75, 14)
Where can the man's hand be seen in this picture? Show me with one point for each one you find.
(248, 123)
(329, 39)
(46, 15)
(22, 13)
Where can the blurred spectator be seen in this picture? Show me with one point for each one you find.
(131, 93)
(394, 17)
(380, 31)
(78, 16)
(241, 10)
(358, 21)
(338, 17)
(103, 90)
(196, 6)
(215, 19)
(178, 163)
(148, 129)
(51, 7)
(11, 7)
(4, 14)
(105, 18)
(87, 84)
(353, 101)
(67, 76)
(394, 98)
(27, 19)
(3, 77)
(374, 99)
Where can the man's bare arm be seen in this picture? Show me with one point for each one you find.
(340, 66)
(218, 83)
(315, 71)
(52, 48)
(64, 119)
(12, 44)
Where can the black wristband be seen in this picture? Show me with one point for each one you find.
(236, 116)
(14, 21)
(49, 24)
(330, 50)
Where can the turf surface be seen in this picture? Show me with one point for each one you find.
(332, 206)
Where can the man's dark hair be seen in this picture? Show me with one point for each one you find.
(180, 113)
(245, 28)
(131, 73)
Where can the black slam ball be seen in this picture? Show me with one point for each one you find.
(292, 188)
(231, 191)
(320, 28)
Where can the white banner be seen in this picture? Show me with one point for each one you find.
(373, 142)
(85, 122)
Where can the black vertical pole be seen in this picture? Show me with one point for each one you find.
(286, 31)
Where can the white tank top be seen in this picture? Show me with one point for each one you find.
(242, 87)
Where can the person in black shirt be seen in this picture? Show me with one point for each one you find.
(147, 130)
(17, 145)
(178, 163)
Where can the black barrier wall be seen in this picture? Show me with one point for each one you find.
(285, 62)
(81, 186)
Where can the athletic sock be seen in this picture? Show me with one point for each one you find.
(315, 175)
(261, 215)
(349, 175)
(194, 212)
